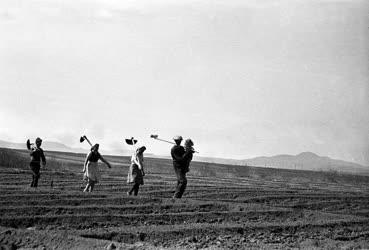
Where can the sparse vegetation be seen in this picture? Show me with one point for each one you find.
(12, 159)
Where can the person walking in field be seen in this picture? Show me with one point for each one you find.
(136, 171)
(91, 168)
(187, 157)
(182, 157)
(37, 155)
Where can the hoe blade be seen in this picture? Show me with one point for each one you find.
(131, 141)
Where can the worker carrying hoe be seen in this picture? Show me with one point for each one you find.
(182, 157)
(37, 155)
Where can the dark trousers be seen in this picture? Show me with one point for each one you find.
(181, 182)
(134, 189)
(35, 167)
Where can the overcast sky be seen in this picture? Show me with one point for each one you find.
(241, 78)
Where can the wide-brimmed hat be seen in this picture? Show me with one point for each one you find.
(177, 138)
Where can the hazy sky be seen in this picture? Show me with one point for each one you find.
(241, 78)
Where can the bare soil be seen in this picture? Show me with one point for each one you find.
(215, 213)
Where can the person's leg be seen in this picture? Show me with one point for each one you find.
(132, 189)
(177, 190)
(33, 170)
(136, 187)
(87, 188)
(33, 180)
(37, 175)
(92, 185)
(36, 181)
(183, 185)
(177, 193)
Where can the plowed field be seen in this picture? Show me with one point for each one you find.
(218, 211)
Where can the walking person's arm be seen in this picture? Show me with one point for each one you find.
(43, 157)
(105, 161)
(86, 161)
(140, 160)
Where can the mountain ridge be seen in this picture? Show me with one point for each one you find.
(306, 161)
(301, 161)
(49, 145)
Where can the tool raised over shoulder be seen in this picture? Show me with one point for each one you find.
(156, 137)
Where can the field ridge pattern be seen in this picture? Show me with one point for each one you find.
(224, 207)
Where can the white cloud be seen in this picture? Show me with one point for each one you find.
(104, 13)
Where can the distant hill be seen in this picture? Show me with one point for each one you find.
(302, 161)
(60, 147)
(307, 161)
(46, 145)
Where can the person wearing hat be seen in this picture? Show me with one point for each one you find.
(37, 155)
(187, 157)
(91, 169)
(136, 171)
(181, 161)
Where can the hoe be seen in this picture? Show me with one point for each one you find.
(156, 137)
(84, 138)
(30, 146)
(131, 141)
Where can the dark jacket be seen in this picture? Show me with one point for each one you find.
(93, 157)
(38, 155)
(177, 153)
(187, 158)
